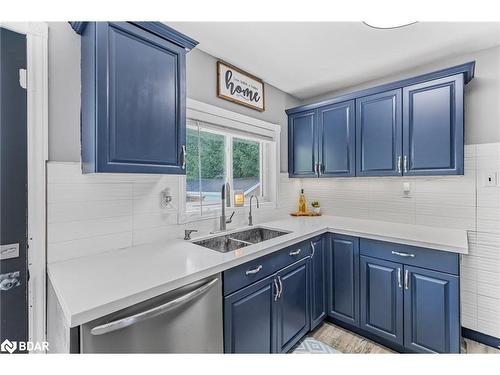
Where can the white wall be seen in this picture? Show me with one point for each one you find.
(64, 94)
(482, 94)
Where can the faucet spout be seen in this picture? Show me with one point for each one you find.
(225, 202)
(250, 217)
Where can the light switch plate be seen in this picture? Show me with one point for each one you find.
(9, 251)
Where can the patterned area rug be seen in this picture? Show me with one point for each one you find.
(310, 345)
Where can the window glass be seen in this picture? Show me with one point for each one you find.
(246, 166)
(205, 167)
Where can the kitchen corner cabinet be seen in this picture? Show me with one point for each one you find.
(133, 117)
(318, 281)
(343, 278)
(413, 127)
(321, 142)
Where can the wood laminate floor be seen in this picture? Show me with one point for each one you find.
(348, 342)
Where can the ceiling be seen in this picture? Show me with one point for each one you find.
(306, 59)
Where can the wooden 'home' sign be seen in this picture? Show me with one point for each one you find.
(239, 87)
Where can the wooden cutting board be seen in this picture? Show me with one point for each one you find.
(308, 213)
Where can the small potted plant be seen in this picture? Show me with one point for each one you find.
(316, 207)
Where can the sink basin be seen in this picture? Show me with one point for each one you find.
(236, 240)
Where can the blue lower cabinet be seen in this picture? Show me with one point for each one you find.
(432, 308)
(343, 278)
(249, 318)
(292, 314)
(318, 282)
(382, 298)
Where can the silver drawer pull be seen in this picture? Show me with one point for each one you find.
(155, 311)
(255, 270)
(403, 254)
(293, 253)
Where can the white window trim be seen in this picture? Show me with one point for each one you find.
(37, 100)
(203, 112)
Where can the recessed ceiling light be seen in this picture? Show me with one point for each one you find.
(388, 24)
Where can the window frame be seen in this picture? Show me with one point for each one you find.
(233, 125)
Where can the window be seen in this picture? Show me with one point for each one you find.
(216, 155)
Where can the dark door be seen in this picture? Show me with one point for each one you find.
(14, 182)
(382, 298)
(141, 101)
(318, 282)
(433, 127)
(292, 316)
(343, 278)
(249, 318)
(379, 134)
(336, 140)
(302, 145)
(431, 304)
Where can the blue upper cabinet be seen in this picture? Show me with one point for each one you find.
(379, 134)
(433, 127)
(336, 140)
(410, 127)
(302, 146)
(133, 98)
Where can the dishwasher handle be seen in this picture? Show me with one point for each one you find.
(155, 311)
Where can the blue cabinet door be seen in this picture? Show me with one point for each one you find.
(382, 298)
(432, 308)
(378, 134)
(292, 316)
(318, 282)
(433, 127)
(302, 144)
(249, 318)
(133, 100)
(343, 278)
(336, 140)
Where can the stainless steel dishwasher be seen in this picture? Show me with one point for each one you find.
(186, 320)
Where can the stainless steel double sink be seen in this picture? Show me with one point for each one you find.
(236, 240)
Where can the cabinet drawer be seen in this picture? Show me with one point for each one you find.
(415, 256)
(250, 272)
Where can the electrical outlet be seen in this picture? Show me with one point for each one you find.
(490, 178)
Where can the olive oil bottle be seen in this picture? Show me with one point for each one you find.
(302, 202)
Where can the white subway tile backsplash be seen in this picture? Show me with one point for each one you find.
(71, 230)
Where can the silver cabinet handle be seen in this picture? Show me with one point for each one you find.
(403, 254)
(405, 164)
(399, 278)
(320, 169)
(281, 287)
(317, 169)
(254, 271)
(399, 164)
(277, 290)
(294, 253)
(313, 249)
(155, 311)
(406, 279)
(184, 155)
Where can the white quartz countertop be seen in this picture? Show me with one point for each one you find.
(93, 286)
